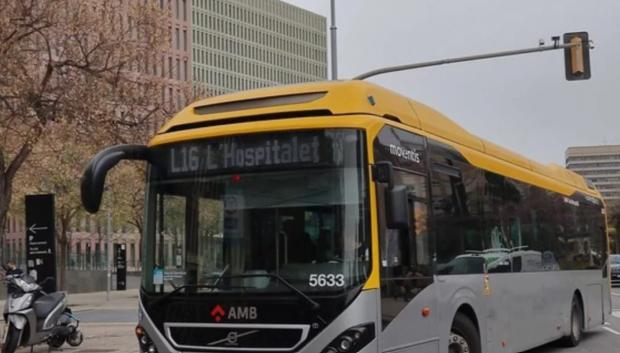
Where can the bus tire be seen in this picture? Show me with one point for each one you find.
(576, 324)
(464, 337)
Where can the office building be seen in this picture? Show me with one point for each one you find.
(600, 165)
(245, 44)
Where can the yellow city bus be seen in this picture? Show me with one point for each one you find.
(343, 217)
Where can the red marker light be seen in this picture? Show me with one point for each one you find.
(426, 312)
(235, 178)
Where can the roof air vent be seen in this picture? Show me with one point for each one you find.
(257, 103)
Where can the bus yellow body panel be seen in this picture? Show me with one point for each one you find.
(357, 98)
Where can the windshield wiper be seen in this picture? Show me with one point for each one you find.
(176, 290)
(219, 278)
(314, 305)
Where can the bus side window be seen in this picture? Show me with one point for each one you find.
(457, 220)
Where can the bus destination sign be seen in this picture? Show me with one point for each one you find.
(256, 151)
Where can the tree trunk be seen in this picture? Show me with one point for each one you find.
(62, 266)
(5, 202)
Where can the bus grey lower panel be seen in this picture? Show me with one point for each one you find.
(594, 311)
(427, 346)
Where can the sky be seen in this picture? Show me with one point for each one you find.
(522, 102)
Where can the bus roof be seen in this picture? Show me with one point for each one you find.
(353, 97)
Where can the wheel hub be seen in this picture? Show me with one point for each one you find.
(458, 344)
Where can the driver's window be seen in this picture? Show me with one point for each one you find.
(409, 251)
(405, 255)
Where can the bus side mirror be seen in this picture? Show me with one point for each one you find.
(93, 179)
(383, 172)
(397, 207)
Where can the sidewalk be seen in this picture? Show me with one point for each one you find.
(119, 300)
(127, 299)
(108, 337)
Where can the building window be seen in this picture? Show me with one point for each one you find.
(170, 67)
(185, 70)
(177, 39)
(170, 97)
(185, 40)
(178, 69)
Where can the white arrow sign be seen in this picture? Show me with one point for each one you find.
(33, 228)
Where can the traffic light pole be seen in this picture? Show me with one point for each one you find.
(555, 46)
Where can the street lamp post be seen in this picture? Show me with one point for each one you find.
(109, 253)
(332, 32)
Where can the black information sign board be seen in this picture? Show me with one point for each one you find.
(40, 239)
(120, 260)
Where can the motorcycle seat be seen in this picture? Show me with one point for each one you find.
(44, 305)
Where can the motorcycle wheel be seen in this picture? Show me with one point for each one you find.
(12, 339)
(56, 341)
(76, 338)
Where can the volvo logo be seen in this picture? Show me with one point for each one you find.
(232, 338)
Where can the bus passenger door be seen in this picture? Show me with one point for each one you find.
(408, 304)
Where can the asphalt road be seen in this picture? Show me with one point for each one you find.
(605, 339)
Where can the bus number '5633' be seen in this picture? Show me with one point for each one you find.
(323, 280)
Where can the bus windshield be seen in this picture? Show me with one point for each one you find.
(237, 214)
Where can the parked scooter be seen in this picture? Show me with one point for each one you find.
(34, 317)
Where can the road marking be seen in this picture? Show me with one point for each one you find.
(616, 314)
(611, 330)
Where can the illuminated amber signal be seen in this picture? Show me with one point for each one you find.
(486, 285)
(577, 56)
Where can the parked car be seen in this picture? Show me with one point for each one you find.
(614, 262)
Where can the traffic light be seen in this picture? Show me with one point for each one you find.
(577, 57)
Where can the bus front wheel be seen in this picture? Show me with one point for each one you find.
(464, 336)
(576, 324)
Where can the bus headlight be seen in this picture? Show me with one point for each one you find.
(352, 340)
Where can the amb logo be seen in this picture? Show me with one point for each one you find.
(234, 313)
